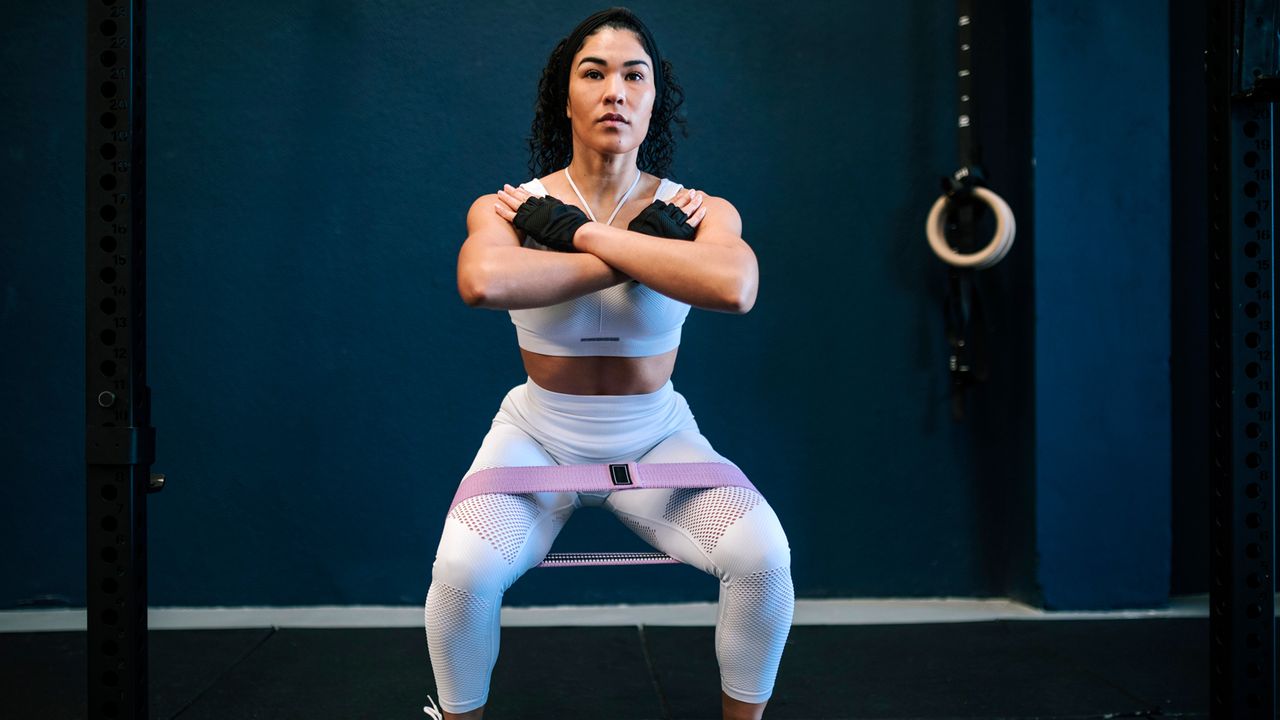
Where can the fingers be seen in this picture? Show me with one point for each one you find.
(690, 203)
(510, 200)
(696, 218)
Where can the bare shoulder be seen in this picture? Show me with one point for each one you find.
(722, 224)
(486, 227)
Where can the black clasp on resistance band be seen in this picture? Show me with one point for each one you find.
(621, 474)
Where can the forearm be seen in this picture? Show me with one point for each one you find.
(705, 275)
(514, 278)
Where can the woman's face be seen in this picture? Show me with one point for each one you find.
(611, 75)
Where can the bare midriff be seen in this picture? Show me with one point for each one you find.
(600, 375)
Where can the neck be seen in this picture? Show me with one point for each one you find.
(603, 177)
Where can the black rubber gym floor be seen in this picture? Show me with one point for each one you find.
(1156, 667)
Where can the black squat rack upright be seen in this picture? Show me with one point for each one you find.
(1243, 84)
(119, 441)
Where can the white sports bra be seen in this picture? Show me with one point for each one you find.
(626, 320)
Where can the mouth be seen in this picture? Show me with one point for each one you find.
(613, 118)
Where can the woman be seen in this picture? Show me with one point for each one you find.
(598, 263)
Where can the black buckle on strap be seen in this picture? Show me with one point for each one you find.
(621, 474)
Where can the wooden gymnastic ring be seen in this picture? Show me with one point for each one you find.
(994, 252)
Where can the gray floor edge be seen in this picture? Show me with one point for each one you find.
(807, 612)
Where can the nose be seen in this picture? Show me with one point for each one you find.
(616, 91)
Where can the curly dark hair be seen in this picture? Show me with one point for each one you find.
(551, 139)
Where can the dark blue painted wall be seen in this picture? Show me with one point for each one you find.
(319, 387)
(1101, 144)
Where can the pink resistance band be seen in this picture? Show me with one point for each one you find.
(598, 478)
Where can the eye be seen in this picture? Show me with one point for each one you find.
(639, 76)
(592, 73)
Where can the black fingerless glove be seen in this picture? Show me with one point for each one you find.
(550, 222)
(662, 219)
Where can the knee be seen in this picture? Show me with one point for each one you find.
(754, 543)
(470, 562)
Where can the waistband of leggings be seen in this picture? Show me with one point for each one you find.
(611, 405)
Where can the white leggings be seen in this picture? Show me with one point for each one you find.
(490, 540)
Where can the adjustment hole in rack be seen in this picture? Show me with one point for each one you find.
(110, 678)
(108, 27)
(1252, 370)
(107, 243)
(107, 120)
(107, 182)
(1251, 340)
(110, 709)
(110, 586)
(108, 492)
(108, 275)
(1250, 159)
(109, 647)
(108, 306)
(107, 213)
(1251, 129)
(1251, 189)
(1252, 460)
(107, 151)
(1253, 520)
(1252, 490)
(108, 337)
(1252, 431)
(108, 89)
(108, 368)
(1251, 219)
(107, 58)
(1253, 310)
(1251, 279)
(1251, 401)
(108, 523)
(110, 616)
(109, 554)
(1253, 640)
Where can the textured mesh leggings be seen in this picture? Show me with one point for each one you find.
(489, 541)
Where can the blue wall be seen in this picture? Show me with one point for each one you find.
(1101, 137)
(319, 387)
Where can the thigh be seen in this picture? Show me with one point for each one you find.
(725, 531)
(490, 540)
(687, 445)
(506, 445)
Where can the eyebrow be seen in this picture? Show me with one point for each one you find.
(602, 62)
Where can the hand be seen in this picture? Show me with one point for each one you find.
(690, 203)
(545, 219)
(672, 220)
